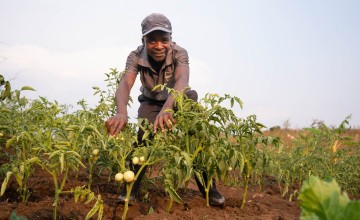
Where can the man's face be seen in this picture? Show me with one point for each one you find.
(157, 45)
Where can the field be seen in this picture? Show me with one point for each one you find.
(266, 203)
(56, 164)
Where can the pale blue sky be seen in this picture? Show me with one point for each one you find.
(287, 60)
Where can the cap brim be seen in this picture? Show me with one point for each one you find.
(157, 29)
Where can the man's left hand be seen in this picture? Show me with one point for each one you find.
(166, 118)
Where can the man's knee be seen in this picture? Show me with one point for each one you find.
(192, 94)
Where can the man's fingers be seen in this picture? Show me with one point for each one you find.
(168, 123)
(120, 127)
(172, 119)
(169, 120)
(155, 124)
(111, 125)
(164, 120)
(108, 125)
(161, 123)
(114, 125)
(113, 129)
(116, 132)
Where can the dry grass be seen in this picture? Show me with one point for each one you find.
(288, 135)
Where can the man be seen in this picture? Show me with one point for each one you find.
(158, 61)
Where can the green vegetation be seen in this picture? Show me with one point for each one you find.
(208, 141)
(324, 200)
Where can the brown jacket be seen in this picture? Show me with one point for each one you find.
(138, 62)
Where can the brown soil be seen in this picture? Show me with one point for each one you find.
(264, 204)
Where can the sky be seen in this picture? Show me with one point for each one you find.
(290, 62)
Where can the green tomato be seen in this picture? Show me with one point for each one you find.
(135, 160)
(129, 176)
(119, 177)
(95, 152)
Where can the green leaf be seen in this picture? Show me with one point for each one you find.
(101, 211)
(187, 158)
(159, 86)
(151, 210)
(93, 210)
(326, 201)
(19, 177)
(352, 211)
(27, 88)
(241, 161)
(33, 160)
(199, 177)
(77, 194)
(62, 162)
(5, 182)
(231, 102)
(13, 216)
(90, 197)
(173, 194)
(146, 134)
(238, 100)
(7, 92)
(10, 142)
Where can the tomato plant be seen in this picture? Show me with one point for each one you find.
(18, 129)
(208, 142)
(322, 151)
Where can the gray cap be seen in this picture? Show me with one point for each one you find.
(155, 22)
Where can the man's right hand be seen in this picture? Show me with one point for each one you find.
(116, 123)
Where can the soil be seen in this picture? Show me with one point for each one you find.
(260, 204)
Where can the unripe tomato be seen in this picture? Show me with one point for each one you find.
(119, 177)
(135, 160)
(142, 159)
(230, 168)
(129, 176)
(95, 152)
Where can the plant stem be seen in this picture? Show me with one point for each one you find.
(245, 191)
(126, 206)
(198, 149)
(168, 209)
(56, 199)
(246, 178)
(90, 175)
(58, 190)
(128, 191)
(207, 189)
(187, 142)
(64, 179)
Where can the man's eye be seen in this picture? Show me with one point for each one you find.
(165, 41)
(150, 41)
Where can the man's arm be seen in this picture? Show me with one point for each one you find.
(181, 81)
(118, 122)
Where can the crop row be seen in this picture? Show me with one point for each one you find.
(208, 141)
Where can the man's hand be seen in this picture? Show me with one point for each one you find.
(164, 118)
(116, 123)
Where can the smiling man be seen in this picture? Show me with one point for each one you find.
(158, 61)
